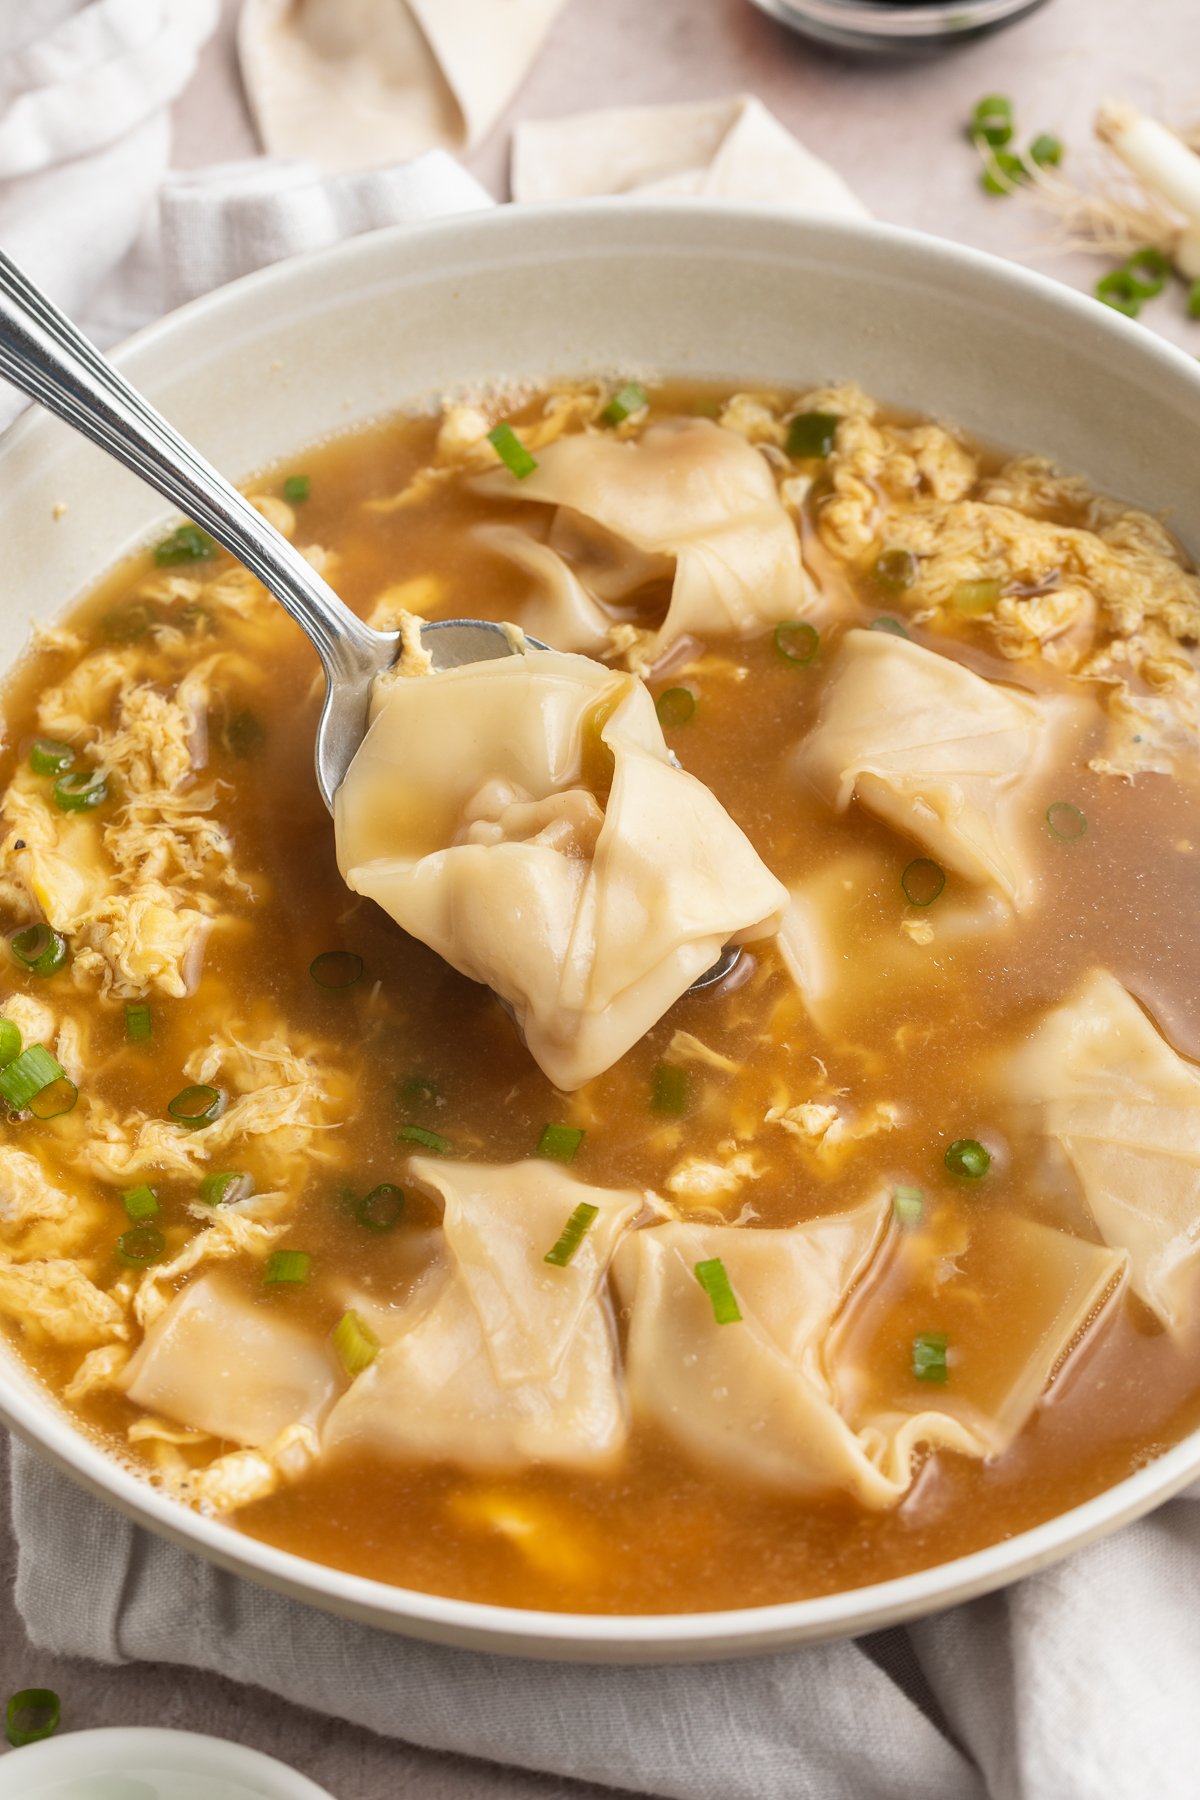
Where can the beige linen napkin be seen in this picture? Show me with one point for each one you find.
(353, 84)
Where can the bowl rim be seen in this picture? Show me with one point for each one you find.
(37, 1416)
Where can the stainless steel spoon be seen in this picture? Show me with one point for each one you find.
(49, 359)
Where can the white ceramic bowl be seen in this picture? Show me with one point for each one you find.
(140, 1762)
(313, 347)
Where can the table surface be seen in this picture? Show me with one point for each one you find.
(895, 131)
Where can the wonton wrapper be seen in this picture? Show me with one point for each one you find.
(219, 1363)
(465, 815)
(499, 1359)
(1126, 1110)
(687, 494)
(936, 752)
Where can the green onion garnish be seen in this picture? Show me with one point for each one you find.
(32, 1715)
(57, 1098)
(1119, 290)
(128, 623)
(992, 120)
(627, 400)
(812, 433)
(39, 949)
(10, 1042)
(355, 1343)
(896, 570)
(245, 734)
(511, 451)
(418, 1090)
(49, 756)
(223, 1186)
(907, 1205)
(187, 543)
(429, 1140)
(573, 1233)
(1149, 271)
(797, 642)
(196, 1106)
(1066, 822)
(893, 626)
(382, 1208)
(922, 881)
(144, 1245)
(967, 1157)
(1046, 150)
(671, 1090)
(675, 706)
(27, 1074)
(715, 1282)
(560, 1142)
(138, 1023)
(287, 1268)
(1193, 301)
(975, 597)
(297, 488)
(336, 969)
(80, 790)
(929, 1356)
(1003, 172)
(141, 1203)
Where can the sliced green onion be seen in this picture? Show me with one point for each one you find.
(287, 1268)
(1119, 290)
(418, 1090)
(812, 433)
(627, 400)
(893, 626)
(222, 1186)
(573, 1234)
(1066, 822)
(27, 1074)
(992, 120)
(297, 488)
(144, 1245)
(1193, 301)
(1003, 172)
(32, 1715)
(245, 734)
(713, 1279)
(57, 1098)
(967, 1157)
(929, 1356)
(511, 451)
(975, 597)
(429, 1140)
(381, 1209)
(1046, 150)
(560, 1142)
(797, 642)
(922, 881)
(187, 543)
(39, 949)
(196, 1106)
(128, 623)
(1149, 271)
(138, 1022)
(896, 570)
(675, 707)
(49, 756)
(141, 1203)
(907, 1204)
(335, 969)
(80, 790)
(671, 1090)
(355, 1343)
(10, 1042)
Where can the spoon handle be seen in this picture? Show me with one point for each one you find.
(49, 359)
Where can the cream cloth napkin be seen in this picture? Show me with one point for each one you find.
(352, 84)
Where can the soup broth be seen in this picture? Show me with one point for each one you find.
(759, 1104)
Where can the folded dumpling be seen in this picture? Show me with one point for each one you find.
(523, 817)
(498, 1358)
(938, 753)
(556, 608)
(687, 496)
(1125, 1109)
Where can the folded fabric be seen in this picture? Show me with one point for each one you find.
(731, 149)
(357, 86)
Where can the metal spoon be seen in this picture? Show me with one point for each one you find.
(48, 358)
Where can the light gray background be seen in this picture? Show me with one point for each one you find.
(895, 131)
